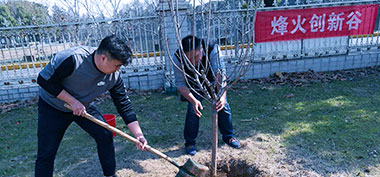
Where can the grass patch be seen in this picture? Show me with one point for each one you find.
(335, 123)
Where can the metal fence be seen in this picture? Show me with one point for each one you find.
(24, 51)
(229, 28)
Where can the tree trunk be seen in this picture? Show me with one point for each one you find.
(214, 141)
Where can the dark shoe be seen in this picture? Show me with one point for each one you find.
(233, 142)
(190, 150)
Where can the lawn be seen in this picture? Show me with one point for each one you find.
(320, 129)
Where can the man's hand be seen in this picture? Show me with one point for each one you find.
(197, 106)
(134, 127)
(78, 108)
(142, 143)
(220, 104)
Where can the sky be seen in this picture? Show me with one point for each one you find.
(60, 3)
(50, 3)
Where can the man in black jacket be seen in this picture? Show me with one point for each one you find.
(77, 76)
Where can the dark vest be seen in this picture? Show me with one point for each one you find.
(85, 83)
(209, 74)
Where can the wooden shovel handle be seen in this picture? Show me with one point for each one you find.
(128, 137)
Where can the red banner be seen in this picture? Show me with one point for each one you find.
(284, 25)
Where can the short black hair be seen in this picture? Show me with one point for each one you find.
(187, 43)
(117, 48)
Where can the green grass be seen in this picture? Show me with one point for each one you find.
(336, 122)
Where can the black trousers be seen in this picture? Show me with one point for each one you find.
(52, 125)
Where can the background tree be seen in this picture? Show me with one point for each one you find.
(72, 7)
(29, 13)
(59, 15)
(6, 19)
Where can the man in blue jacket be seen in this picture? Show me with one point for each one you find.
(197, 56)
(77, 76)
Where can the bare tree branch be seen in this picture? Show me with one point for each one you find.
(196, 74)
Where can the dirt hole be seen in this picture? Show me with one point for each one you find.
(237, 168)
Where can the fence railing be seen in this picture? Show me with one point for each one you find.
(25, 50)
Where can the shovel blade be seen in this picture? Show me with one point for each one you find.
(192, 168)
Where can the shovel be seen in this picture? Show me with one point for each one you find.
(190, 168)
